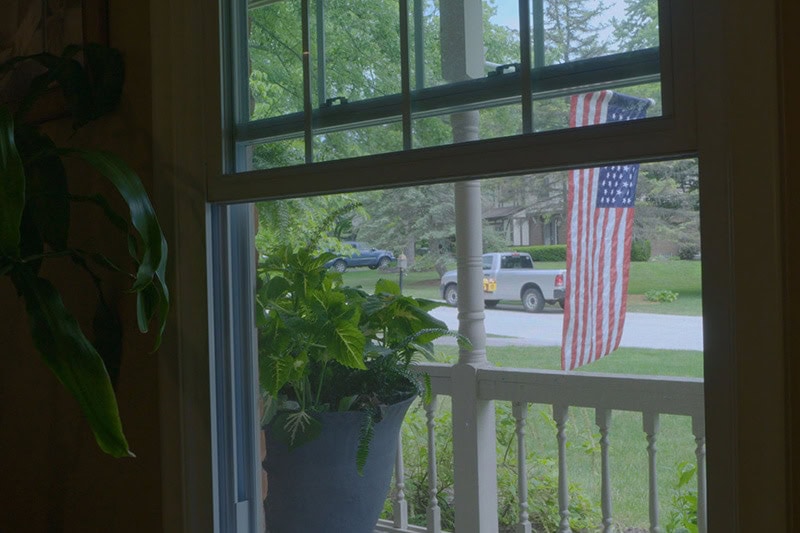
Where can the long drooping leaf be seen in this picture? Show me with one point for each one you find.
(73, 360)
(47, 196)
(153, 253)
(12, 188)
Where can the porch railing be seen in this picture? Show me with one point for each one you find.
(605, 393)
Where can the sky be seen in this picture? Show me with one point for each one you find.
(507, 12)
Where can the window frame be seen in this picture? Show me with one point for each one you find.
(715, 118)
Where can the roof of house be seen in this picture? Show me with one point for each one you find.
(502, 212)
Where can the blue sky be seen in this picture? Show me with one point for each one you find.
(507, 14)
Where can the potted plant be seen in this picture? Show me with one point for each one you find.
(35, 208)
(335, 368)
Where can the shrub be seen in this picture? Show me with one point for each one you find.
(551, 253)
(640, 250)
(683, 518)
(688, 251)
(660, 295)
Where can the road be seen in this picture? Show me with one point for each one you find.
(642, 330)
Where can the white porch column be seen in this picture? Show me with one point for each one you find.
(475, 475)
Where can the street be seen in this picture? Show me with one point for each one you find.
(642, 330)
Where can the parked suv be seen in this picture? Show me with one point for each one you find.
(362, 255)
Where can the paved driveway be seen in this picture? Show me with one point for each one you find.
(642, 330)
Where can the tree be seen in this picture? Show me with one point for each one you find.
(572, 30)
(639, 28)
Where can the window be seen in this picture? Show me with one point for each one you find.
(734, 145)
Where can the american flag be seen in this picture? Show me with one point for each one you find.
(599, 229)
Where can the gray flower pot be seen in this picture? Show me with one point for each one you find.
(316, 487)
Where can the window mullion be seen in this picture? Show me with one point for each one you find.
(307, 107)
(405, 75)
(525, 60)
(321, 52)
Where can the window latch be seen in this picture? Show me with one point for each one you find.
(330, 101)
(501, 69)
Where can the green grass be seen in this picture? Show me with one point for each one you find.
(628, 454)
(682, 277)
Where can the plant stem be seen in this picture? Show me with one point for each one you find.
(321, 380)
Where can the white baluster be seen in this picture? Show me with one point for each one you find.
(560, 415)
(651, 423)
(520, 411)
(400, 505)
(699, 431)
(434, 514)
(603, 421)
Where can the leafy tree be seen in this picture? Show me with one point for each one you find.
(639, 28)
(572, 30)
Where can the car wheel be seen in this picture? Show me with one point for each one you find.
(339, 265)
(451, 294)
(561, 303)
(383, 262)
(491, 304)
(533, 300)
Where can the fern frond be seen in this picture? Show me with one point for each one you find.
(365, 438)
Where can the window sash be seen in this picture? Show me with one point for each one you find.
(541, 82)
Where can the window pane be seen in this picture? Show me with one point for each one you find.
(554, 113)
(579, 29)
(275, 54)
(529, 214)
(276, 154)
(356, 50)
(358, 142)
(463, 56)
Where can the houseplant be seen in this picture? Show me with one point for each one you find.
(35, 211)
(335, 367)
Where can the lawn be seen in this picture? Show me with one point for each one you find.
(682, 277)
(628, 451)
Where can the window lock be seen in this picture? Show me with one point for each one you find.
(331, 101)
(501, 69)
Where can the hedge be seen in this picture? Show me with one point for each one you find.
(551, 253)
(640, 250)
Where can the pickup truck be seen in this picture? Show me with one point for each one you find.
(511, 276)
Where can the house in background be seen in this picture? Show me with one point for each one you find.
(55, 479)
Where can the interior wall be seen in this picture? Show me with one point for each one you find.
(788, 48)
(53, 477)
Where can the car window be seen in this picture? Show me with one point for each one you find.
(516, 261)
(487, 262)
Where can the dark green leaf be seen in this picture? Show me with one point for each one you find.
(277, 287)
(385, 286)
(12, 187)
(73, 360)
(47, 196)
(153, 255)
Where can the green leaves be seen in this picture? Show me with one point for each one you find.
(151, 256)
(12, 188)
(73, 360)
(326, 347)
(35, 209)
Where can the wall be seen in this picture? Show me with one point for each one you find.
(788, 48)
(52, 475)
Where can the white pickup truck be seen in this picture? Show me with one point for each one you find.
(511, 276)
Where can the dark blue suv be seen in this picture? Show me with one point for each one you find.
(362, 255)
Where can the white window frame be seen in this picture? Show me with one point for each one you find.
(725, 112)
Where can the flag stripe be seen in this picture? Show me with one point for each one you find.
(600, 228)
